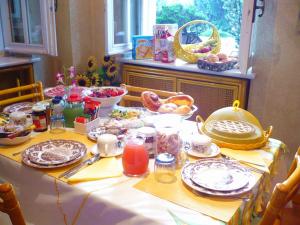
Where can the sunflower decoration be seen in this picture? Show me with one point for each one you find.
(92, 64)
(112, 71)
(95, 79)
(82, 80)
(107, 60)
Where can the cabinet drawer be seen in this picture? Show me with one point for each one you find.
(209, 96)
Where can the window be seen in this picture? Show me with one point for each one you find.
(233, 18)
(29, 26)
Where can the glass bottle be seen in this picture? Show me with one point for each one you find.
(73, 108)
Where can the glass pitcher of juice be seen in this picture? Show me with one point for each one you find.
(135, 157)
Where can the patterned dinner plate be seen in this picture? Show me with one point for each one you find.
(25, 107)
(219, 176)
(54, 153)
(188, 170)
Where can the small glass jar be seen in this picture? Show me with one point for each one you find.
(39, 118)
(164, 168)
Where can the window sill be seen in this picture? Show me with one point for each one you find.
(180, 65)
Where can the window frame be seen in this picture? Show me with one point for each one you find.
(48, 26)
(148, 20)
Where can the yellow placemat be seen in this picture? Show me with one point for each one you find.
(251, 156)
(218, 208)
(105, 168)
(8, 151)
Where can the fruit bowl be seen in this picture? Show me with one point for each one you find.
(15, 141)
(108, 96)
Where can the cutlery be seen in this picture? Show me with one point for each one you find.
(248, 166)
(242, 161)
(75, 169)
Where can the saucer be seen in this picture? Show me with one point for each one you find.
(119, 151)
(215, 150)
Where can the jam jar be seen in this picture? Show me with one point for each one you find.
(39, 118)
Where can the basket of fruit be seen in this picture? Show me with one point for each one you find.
(217, 62)
(192, 52)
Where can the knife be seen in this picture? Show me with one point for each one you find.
(75, 169)
(242, 161)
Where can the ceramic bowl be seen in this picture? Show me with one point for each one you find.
(16, 140)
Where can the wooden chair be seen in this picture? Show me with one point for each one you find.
(138, 90)
(10, 204)
(33, 92)
(283, 193)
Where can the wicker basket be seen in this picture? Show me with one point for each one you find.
(184, 52)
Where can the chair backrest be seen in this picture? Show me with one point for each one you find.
(10, 204)
(32, 92)
(283, 193)
(138, 90)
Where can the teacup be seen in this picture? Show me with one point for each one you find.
(107, 144)
(201, 144)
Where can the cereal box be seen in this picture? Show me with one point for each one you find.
(142, 47)
(161, 33)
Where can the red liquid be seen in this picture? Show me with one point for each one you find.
(135, 159)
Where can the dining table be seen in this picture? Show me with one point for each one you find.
(102, 194)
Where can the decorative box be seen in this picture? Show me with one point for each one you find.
(142, 47)
(84, 128)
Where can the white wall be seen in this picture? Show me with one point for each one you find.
(275, 92)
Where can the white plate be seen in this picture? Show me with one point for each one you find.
(186, 174)
(215, 151)
(25, 107)
(118, 151)
(219, 176)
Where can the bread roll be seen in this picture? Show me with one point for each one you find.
(150, 100)
(183, 110)
(167, 108)
(181, 100)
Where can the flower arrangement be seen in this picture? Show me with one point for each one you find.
(67, 77)
(105, 75)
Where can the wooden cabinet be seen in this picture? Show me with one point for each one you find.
(209, 91)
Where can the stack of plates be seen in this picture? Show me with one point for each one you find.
(218, 177)
(54, 153)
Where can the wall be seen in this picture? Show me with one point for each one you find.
(275, 92)
(80, 34)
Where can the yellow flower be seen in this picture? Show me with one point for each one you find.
(82, 80)
(107, 60)
(92, 64)
(95, 79)
(112, 70)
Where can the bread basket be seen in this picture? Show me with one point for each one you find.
(235, 128)
(185, 53)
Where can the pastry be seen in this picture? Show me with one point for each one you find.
(181, 100)
(212, 58)
(151, 100)
(167, 108)
(222, 57)
(182, 110)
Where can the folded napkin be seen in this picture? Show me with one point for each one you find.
(104, 168)
(250, 156)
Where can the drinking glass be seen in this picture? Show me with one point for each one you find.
(135, 158)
